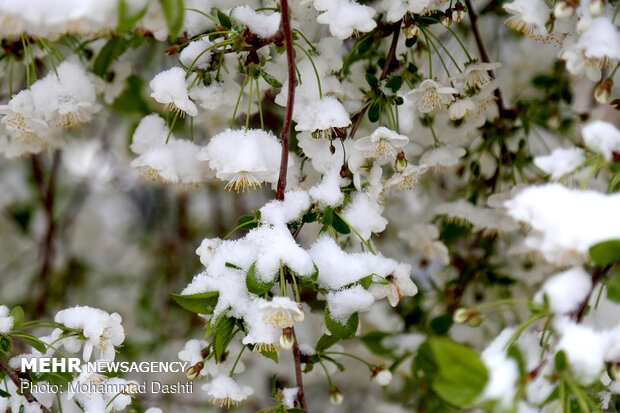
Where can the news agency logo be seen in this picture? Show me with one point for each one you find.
(74, 365)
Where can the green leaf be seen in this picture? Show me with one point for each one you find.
(374, 111)
(173, 10)
(325, 342)
(5, 343)
(127, 21)
(271, 355)
(328, 216)
(339, 225)
(18, 316)
(272, 81)
(339, 330)
(233, 266)
(4, 394)
(373, 341)
(372, 80)
(32, 341)
(613, 289)
(560, 362)
(222, 336)
(224, 19)
(200, 303)
(441, 324)
(112, 50)
(255, 284)
(309, 217)
(247, 222)
(606, 252)
(461, 376)
(394, 83)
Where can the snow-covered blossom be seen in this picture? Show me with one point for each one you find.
(218, 95)
(244, 159)
(431, 96)
(170, 89)
(101, 330)
(343, 303)
(260, 24)
(323, 116)
(565, 291)
(281, 312)
(602, 137)
(224, 391)
(192, 352)
(528, 16)
(578, 64)
(6, 321)
(345, 16)
(407, 179)
(382, 144)
(66, 99)
(395, 289)
(476, 75)
(563, 223)
(150, 133)
(364, 214)
(560, 161)
(206, 250)
(444, 156)
(601, 43)
(174, 162)
(396, 9)
(21, 118)
(197, 54)
(101, 401)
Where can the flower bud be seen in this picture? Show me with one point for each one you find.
(287, 339)
(381, 376)
(458, 12)
(596, 7)
(583, 24)
(411, 31)
(602, 93)
(462, 315)
(563, 10)
(446, 20)
(475, 321)
(401, 162)
(335, 396)
(194, 371)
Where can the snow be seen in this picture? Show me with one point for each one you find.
(327, 192)
(151, 132)
(343, 303)
(529, 16)
(320, 115)
(601, 39)
(565, 222)
(289, 396)
(261, 24)
(364, 214)
(6, 321)
(345, 16)
(560, 161)
(566, 290)
(584, 348)
(602, 137)
(170, 89)
(282, 212)
(503, 371)
(197, 52)
(174, 162)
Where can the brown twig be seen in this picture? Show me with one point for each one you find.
(14, 376)
(473, 18)
(292, 81)
(286, 130)
(387, 69)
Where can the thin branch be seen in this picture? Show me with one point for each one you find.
(14, 376)
(387, 69)
(597, 275)
(297, 355)
(473, 17)
(292, 81)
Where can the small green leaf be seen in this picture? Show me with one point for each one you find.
(18, 316)
(224, 19)
(461, 376)
(222, 335)
(394, 83)
(309, 217)
(127, 21)
(32, 341)
(5, 343)
(233, 266)
(613, 289)
(255, 284)
(200, 303)
(173, 10)
(372, 80)
(441, 324)
(374, 111)
(271, 355)
(112, 50)
(606, 252)
(325, 342)
(5, 394)
(560, 362)
(328, 216)
(247, 222)
(339, 225)
(339, 330)
(272, 81)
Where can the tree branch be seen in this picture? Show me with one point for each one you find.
(292, 81)
(14, 376)
(387, 69)
(473, 17)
